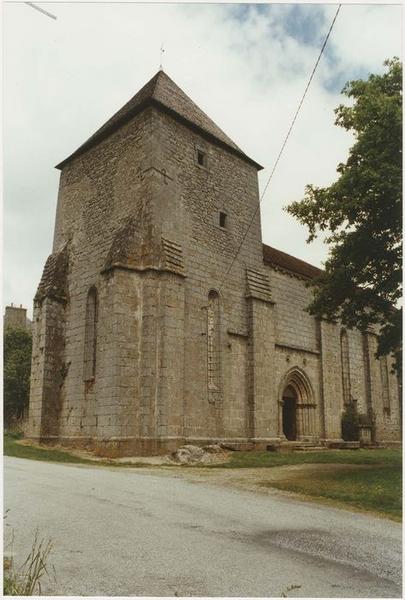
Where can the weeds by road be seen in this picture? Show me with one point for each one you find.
(26, 580)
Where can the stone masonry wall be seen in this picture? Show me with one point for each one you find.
(315, 349)
(152, 332)
(98, 192)
(141, 220)
(296, 344)
(294, 326)
(187, 211)
(387, 425)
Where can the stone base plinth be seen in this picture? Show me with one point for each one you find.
(120, 447)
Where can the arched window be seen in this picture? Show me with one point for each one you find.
(90, 336)
(344, 350)
(385, 385)
(213, 342)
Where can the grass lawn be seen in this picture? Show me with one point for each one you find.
(376, 488)
(13, 448)
(384, 456)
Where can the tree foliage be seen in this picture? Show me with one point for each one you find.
(362, 213)
(17, 370)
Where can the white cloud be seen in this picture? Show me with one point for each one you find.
(245, 67)
(365, 35)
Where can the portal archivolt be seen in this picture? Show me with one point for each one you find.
(297, 418)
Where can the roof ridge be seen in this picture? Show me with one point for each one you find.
(224, 136)
(289, 262)
(156, 78)
(169, 96)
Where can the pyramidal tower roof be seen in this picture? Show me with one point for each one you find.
(163, 93)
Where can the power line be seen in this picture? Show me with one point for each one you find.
(283, 145)
(45, 12)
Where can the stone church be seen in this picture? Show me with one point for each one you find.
(142, 342)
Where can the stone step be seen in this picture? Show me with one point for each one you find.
(311, 449)
(300, 447)
(343, 445)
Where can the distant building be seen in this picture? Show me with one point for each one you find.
(16, 317)
(143, 341)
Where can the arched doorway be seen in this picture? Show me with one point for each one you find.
(290, 413)
(298, 415)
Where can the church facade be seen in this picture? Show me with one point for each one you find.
(141, 339)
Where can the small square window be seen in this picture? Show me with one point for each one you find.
(201, 158)
(222, 219)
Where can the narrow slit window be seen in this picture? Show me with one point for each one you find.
(201, 158)
(344, 350)
(90, 336)
(222, 220)
(385, 385)
(213, 346)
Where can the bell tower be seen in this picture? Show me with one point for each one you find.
(139, 331)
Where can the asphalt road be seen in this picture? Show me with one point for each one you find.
(150, 533)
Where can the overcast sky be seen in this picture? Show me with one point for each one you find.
(245, 65)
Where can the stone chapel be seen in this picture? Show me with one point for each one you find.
(140, 342)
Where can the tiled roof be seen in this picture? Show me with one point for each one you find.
(161, 91)
(276, 258)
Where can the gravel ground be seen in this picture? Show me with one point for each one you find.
(153, 532)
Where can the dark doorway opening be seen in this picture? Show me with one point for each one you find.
(290, 413)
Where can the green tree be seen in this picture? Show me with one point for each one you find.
(17, 370)
(362, 214)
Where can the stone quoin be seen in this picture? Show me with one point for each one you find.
(140, 341)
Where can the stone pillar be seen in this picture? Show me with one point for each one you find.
(47, 371)
(367, 383)
(375, 388)
(151, 323)
(329, 339)
(170, 399)
(33, 423)
(263, 422)
(386, 424)
(48, 367)
(321, 425)
(53, 367)
(118, 356)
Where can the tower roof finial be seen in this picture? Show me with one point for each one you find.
(161, 56)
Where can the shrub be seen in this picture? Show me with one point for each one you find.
(350, 422)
